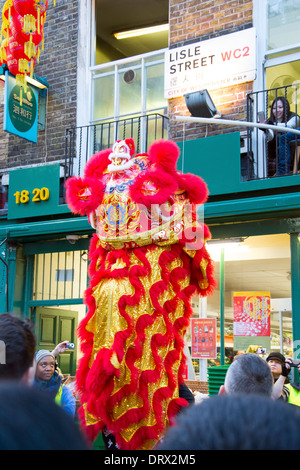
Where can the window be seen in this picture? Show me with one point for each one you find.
(61, 275)
(283, 23)
(128, 74)
(122, 16)
(284, 75)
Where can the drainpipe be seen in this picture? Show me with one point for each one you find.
(4, 278)
(295, 283)
(222, 309)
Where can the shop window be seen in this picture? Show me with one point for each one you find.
(257, 264)
(61, 275)
(64, 275)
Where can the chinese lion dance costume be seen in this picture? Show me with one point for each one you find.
(147, 259)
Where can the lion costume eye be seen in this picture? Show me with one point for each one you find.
(153, 187)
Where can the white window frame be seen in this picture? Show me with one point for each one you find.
(86, 72)
(266, 58)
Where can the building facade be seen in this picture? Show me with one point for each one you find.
(93, 89)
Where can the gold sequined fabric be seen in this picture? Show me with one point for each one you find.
(155, 346)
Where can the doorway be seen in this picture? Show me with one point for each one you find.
(54, 325)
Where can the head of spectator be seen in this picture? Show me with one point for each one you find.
(29, 421)
(50, 379)
(280, 110)
(276, 363)
(239, 422)
(18, 342)
(248, 373)
(45, 365)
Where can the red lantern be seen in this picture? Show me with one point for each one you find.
(25, 50)
(15, 48)
(23, 34)
(24, 7)
(12, 63)
(37, 8)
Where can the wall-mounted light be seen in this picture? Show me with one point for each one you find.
(200, 104)
(132, 33)
(38, 82)
(72, 238)
(225, 241)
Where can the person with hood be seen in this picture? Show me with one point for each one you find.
(48, 378)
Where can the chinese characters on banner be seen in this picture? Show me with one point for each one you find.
(251, 313)
(21, 120)
(204, 338)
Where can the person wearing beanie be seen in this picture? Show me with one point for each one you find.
(280, 371)
(48, 378)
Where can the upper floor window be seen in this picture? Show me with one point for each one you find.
(127, 74)
(283, 23)
(121, 16)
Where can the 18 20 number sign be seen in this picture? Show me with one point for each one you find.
(37, 195)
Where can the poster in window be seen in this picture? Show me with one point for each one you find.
(204, 338)
(251, 313)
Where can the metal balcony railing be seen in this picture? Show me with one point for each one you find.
(270, 152)
(83, 142)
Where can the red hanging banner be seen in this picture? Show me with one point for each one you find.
(251, 313)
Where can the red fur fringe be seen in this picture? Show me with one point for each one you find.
(97, 164)
(164, 154)
(195, 187)
(96, 387)
(165, 184)
(75, 187)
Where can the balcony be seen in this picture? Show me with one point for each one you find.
(83, 142)
(233, 164)
(272, 153)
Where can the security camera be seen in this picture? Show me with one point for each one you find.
(72, 239)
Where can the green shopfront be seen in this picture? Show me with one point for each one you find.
(44, 259)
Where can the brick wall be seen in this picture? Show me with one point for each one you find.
(58, 64)
(191, 20)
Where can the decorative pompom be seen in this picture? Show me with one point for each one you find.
(195, 187)
(164, 154)
(97, 164)
(83, 195)
(143, 189)
(131, 145)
